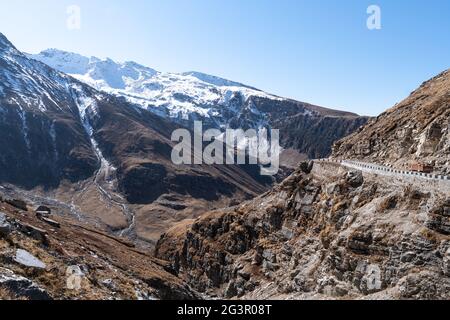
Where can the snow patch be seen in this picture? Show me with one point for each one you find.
(85, 106)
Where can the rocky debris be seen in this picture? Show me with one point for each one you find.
(40, 263)
(17, 203)
(355, 178)
(27, 259)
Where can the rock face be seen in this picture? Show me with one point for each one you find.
(328, 234)
(334, 232)
(417, 129)
(439, 218)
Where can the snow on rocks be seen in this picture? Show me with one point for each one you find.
(178, 96)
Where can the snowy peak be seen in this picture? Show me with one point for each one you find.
(182, 97)
(63, 61)
(4, 42)
(100, 73)
(219, 103)
(217, 81)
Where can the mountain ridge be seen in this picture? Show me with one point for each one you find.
(219, 103)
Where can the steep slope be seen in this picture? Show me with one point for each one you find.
(330, 234)
(60, 258)
(417, 129)
(101, 155)
(218, 102)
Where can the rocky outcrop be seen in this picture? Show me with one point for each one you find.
(328, 234)
(21, 287)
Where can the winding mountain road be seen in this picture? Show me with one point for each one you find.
(387, 171)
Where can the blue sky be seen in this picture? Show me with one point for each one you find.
(318, 51)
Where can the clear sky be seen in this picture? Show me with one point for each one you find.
(318, 51)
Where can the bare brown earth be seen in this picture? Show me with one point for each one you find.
(113, 268)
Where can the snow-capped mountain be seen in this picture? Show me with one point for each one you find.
(97, 139)
(186, 96)
(99, 153)
(218, 102)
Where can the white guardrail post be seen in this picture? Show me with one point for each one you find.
(388, 168)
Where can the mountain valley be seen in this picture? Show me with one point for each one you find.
(89, 192)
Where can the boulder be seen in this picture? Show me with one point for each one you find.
(354, 178)
(17, 203)
(43, 210)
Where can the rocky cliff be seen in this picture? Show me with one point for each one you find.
(332, 233)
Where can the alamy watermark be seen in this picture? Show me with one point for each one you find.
(374, 19)
(234, 146)
(73, 21)
(374, 277)
(74, 278)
